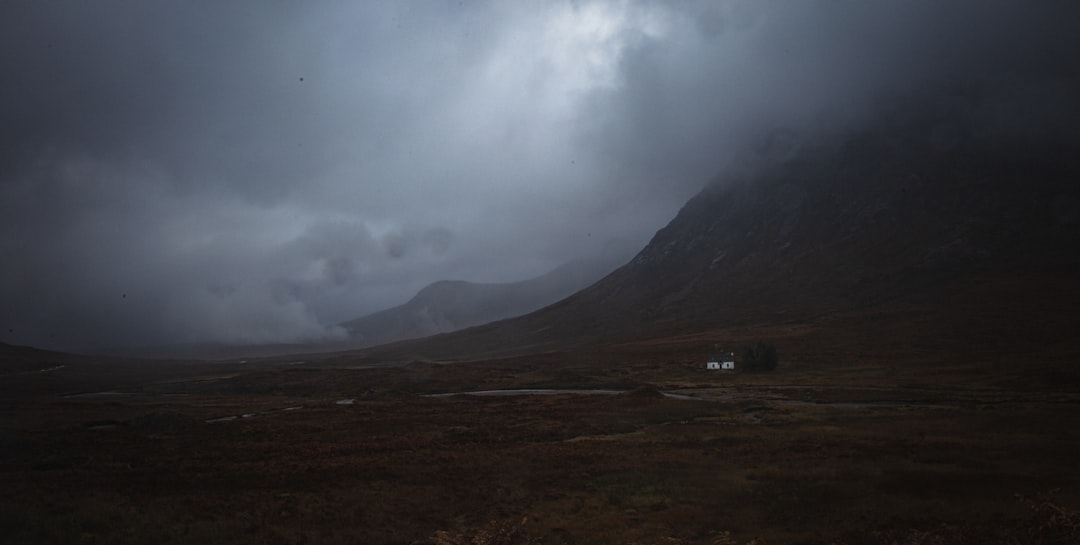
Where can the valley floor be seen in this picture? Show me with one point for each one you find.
(323, 453)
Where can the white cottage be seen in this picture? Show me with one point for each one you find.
(721, 361)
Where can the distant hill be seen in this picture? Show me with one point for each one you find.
(453, 304)
(890, 238)
(15, 359)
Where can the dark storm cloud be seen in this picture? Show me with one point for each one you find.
(745, 78)
(258, 171)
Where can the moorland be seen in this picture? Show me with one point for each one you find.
(336, 448)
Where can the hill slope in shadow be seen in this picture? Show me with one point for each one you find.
(889, 237)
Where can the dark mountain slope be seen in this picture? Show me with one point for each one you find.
(452, 305)
(970, 242)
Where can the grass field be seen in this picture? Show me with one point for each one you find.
(323, 453)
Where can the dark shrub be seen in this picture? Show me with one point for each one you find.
(760, 357)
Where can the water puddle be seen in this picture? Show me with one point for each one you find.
(526, 391)
(233, 418)
(548, 391)
(681, 396)
(103, 426)
(100, 394)
(33, 372)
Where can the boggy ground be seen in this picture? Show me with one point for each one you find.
(339, 450)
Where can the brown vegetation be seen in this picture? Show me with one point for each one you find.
(810, 454)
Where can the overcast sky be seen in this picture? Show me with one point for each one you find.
(257, 171)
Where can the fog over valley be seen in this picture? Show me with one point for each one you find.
(260, 172)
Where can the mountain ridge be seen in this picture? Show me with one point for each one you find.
(450, 305)
(884, 221)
